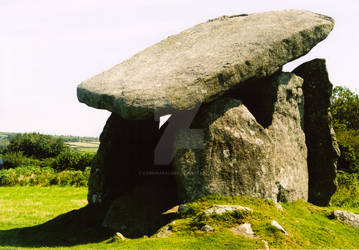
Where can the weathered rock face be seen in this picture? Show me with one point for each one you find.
(349, 218)
(290, 151)
(220, 209)
(235, 157)
(201, 63)
(323, 150)
(241, 157)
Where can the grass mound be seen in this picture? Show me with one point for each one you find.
(308, 226)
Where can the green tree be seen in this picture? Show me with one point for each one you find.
(345, 111)
(345, 108)
(72, 159)
(36, 145)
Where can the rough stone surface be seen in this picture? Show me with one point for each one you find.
(261, 153)
(234, 159)
(349, 218)
(173, 210)
(323, 149)
(120, 235)
(164, 232)
(244, 229)
(207, 228)
(286, 130)
(220, 209)
(201, 63)
(279, 227)
(266, 246)
(279, 206)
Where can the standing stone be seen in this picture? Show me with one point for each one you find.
(235, 158)
(286, 130)
(125, 160)
(239, 156)
(323, 150)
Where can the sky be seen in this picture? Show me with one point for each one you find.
(48, 47)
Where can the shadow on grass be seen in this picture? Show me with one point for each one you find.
(80, 226)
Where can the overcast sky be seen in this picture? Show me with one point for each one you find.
(48, 47)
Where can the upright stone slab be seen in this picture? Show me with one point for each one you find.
(286, 130)
(125, 159)
(235, 158)
(323, 150)
(125, 181)
(278, 105)
(240, 156)
(201, 63)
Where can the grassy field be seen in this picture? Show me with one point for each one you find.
(28, 206)
(85, 146)
(22, 208)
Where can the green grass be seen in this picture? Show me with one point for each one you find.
(22, 208)
(28, 206)
(347, 195)
(87, 149)
(308, 226)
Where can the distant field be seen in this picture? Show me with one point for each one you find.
(4, 139)
(84, 146)
(5, 135)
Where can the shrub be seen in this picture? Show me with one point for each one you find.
(37, 176)
(347, 194)
(17, 159)
(74, 160)
(47, 162)
(349, 158)
(345, 107)
(36, 145)
(72, 178)
(25, 175)
(345, 110)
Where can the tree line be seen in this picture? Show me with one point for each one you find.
(345, 112)
(35, 149)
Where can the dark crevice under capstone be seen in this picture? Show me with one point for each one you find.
(259, 97)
